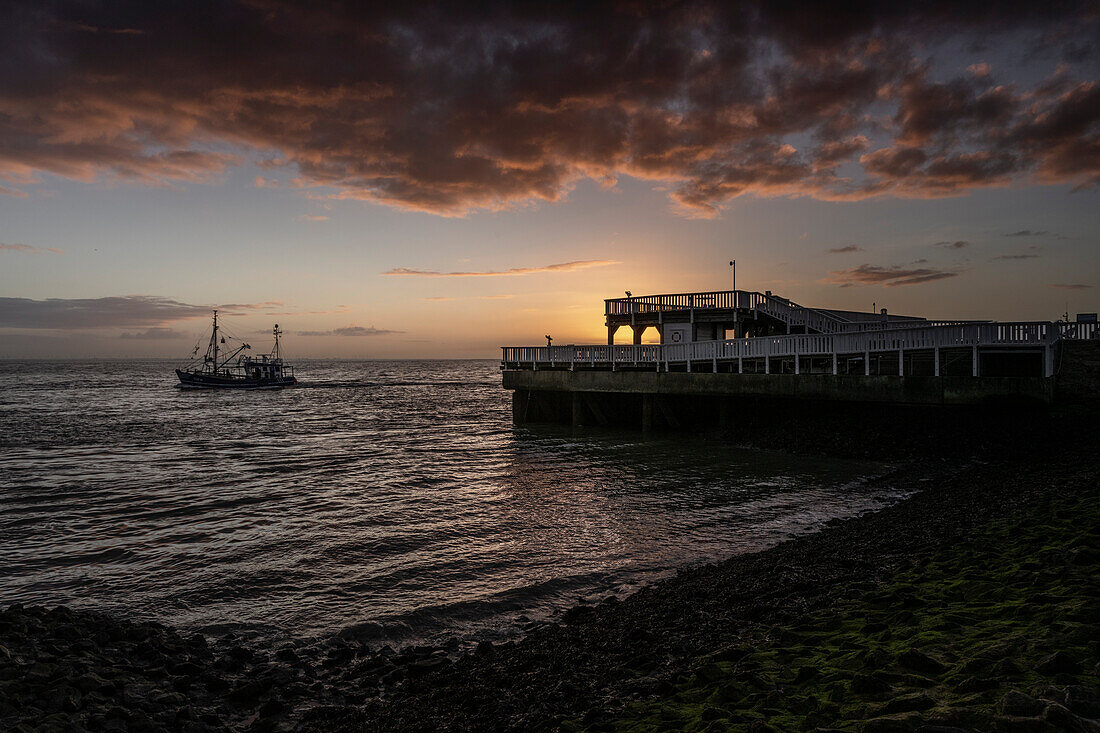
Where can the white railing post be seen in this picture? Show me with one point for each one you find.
(901, 362)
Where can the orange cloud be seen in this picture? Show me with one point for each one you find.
(28, 248)
(560, 267)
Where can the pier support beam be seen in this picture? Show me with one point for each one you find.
(638, 331)
(520, 399)
(578, 410)
(647, 413)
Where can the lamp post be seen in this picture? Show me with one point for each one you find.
(733, 266)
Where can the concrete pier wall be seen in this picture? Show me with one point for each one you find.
(909, 390)
(880, 417)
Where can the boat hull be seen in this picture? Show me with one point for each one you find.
(193, 380)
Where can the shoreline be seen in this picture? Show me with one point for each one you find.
(591, 670)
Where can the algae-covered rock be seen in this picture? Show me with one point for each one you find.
(1082, 700)
(909, 703)
(1063, 718)
(918, 661)
(902, 723)
(1016, 703)
(1058, 663)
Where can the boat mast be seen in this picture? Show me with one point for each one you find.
(214, 341)
(275, 351)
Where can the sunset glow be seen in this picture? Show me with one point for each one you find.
(441, 183)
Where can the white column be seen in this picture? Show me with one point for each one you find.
(974, 359)
(767, 364)
(834, 364)
(936, 360)
(866, 363)
(901, 362)
(740, 365)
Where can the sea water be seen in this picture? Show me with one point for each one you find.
(394, 497)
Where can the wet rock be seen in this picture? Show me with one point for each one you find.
(1016, 703)
(891, 724)
(918, 661)
(1082, 700)
(970, 685)
(869, 684)
(484, 649)
(422, 668)
(1064, 719)
(1058, 663)
(1008, 724)
(909, 703)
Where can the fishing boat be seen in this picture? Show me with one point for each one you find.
(226, 366)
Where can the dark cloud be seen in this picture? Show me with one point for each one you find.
(121, 311)
(957, 244)
(156, 333)
(842, 250)
(351, 331)
(448, 108)
(1017, 257)
(895, 276)
(1027, 233)
(1070, 286)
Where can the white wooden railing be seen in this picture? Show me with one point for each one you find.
(1038, 334)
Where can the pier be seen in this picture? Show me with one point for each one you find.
(780, 350)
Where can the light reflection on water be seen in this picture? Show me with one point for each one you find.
(391, 495)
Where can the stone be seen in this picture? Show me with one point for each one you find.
(1083, 701)
(891, 724)
(1064, 719)
(971, 685)
(918, 661)
(908, 703)
(1010, 724)
(1016, 703)
(1058, 663)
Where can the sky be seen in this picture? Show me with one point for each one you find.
(432, 181)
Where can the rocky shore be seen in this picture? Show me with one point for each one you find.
(973, 605)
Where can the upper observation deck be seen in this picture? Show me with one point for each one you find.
(713, 315)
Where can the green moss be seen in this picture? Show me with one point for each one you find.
(989, 609)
